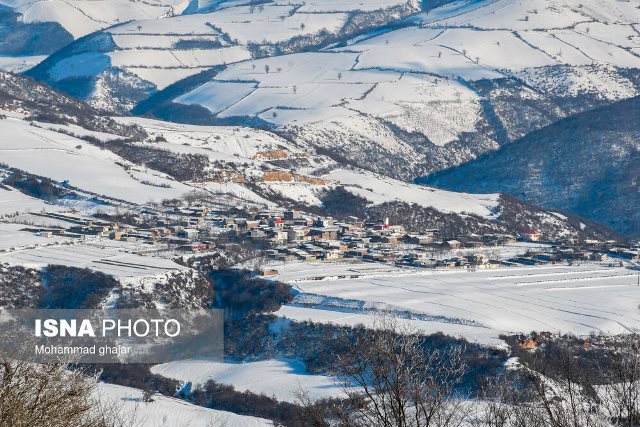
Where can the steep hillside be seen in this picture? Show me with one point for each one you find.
(34, 101)
(450, 84)
(588, 164)
(124, 64)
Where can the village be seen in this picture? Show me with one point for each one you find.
(283, 236)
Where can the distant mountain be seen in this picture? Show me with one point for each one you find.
(588, 164)
(433, 91)
(122, 65)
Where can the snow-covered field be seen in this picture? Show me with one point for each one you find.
(224, 143)
(13, 201)
(478, 305)
(279, 378)
(12, 237)
(106, 256)
(168, 411)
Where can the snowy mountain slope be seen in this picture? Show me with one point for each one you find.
(81, 17)
(31, 30)
(62, 157)
(254, 167)
(440, 91)
(588, 164)
(24, 44)
(268, 164)
(30, 100)
(123, 65)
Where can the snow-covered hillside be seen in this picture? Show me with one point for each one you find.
(587, 164)
(458, 81)
(81, 17)
(132, 60)
(32, 30)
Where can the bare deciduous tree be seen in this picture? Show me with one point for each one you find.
(390, 380)
(51, 395)
(621, 396)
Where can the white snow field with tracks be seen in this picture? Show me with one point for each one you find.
(478, 305)
(109, 257)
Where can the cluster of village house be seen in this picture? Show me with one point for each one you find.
(291, 235)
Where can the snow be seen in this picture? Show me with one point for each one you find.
(12, 201)
(415, 77)
(600, 81)
(530, 14)
(221, 142)
(280, 378)
(439, 109)
(281, 20)
(239, 145)
(169, 411)
(154, 49)
(381, 189)
(23, 248)
(488, 48)
(479, 305)
(83, 64)
(81, 17)
(352, 318)
(217, 96)
(61, 157)
(344, 5)
(12, 237)
(18, 64)
(554, 47)
(41, 220)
